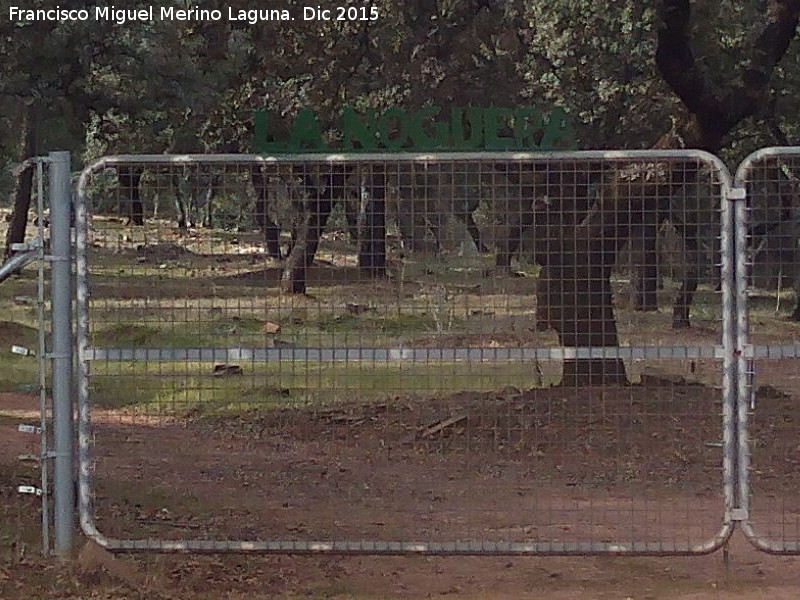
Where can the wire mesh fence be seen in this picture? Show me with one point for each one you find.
(27, 344)
(769, 332)
(436, 354)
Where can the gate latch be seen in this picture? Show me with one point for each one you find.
(738, 514)
(736, 193)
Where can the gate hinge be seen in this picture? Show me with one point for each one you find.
(738, 514)
(736, 193)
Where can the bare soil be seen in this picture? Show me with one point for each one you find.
(538, 465)
(637, 463)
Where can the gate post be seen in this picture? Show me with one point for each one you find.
(61, 353)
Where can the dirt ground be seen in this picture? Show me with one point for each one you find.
(636, 463)
(229, 486)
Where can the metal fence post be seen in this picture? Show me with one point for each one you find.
(63, 482)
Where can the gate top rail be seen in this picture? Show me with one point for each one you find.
(751, 160)
(615, 155)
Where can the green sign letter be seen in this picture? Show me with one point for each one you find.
(475, 118)
(383, 127)
(558, 131)
(527, 124)
(420, 139)
(359, 134)
(264, 141)
(306, 134)
(491, 125)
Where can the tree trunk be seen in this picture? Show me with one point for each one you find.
(508, 245)
(301, 257)
(271, 230)
(577, 243)
(579, 304)
(475, 233)
(644, 270)
(314, 217)
(372, 248)
(315, 214)
(129, 178)
(24, 181)
(182, 209)
(691, 260)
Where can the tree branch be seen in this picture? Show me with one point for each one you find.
(712, 116)
(768, 49)
(676, 63)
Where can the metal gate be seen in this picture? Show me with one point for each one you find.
(51, 245)
(768, 281)
(423, 354)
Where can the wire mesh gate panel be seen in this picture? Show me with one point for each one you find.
(476, 353)
(31, 342)
(769, 334)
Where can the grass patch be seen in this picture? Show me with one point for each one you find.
(190, 389)
(391, 325)
(234, 325)
(129, 335)
(124, 335)
(19, 371)
(220, 332)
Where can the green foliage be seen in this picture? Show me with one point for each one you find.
(172, 86)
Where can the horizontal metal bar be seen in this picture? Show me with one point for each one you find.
(336, 157)
(767, 544)
(394, 354)
(771, 351)
(418, 548)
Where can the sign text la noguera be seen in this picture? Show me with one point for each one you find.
(424, 130)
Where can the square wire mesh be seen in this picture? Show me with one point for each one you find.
(770, 226)
(441, 354)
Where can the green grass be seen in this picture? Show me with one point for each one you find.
(397, 324)
(147, 336)
(18, 372)
(182, 389)
(198, 334)
(145, 329)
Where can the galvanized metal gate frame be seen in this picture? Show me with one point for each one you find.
(731, 511)
(747, 353)
(56, 445)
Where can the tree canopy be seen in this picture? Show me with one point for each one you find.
(97, 86)
(719, 76)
